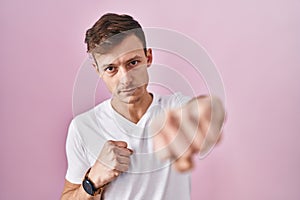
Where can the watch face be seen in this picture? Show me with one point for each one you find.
(88, 187)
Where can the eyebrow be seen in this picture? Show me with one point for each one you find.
(128, 61)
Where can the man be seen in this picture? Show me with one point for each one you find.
(134, 145)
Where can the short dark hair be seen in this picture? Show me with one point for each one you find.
(110, 30)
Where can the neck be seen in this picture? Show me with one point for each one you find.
(133, 111)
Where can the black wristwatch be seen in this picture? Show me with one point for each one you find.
(89, 186)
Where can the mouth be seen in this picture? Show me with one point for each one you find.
(128, 91)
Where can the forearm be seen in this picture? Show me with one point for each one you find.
(78, 194)
(99, 175)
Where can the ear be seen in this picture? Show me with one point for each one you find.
(149, 57)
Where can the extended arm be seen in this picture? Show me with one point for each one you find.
(194, 128)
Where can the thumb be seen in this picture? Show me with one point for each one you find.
(120, 144)
(184, 164)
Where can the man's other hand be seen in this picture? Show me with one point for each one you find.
(194, 128)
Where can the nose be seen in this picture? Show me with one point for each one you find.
(126, 76)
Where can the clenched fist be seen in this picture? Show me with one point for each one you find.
(113, 159)
(193, 128)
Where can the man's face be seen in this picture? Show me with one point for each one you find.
(124, 70)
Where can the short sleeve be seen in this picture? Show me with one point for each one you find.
(179, 100)
(182, 100)
(76, 156)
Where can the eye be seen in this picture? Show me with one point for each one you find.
(134, 63)
(110, 69)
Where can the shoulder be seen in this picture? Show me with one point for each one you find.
(85, 129)
(91, 116)
(87, 125)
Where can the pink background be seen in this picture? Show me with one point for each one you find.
(255, 44)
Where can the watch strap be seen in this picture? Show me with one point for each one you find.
(95, 191)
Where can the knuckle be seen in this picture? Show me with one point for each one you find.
(114, 150)
(118, 159)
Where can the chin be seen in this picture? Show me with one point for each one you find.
(130, 99)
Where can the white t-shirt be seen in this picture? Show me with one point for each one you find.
(147, 177)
